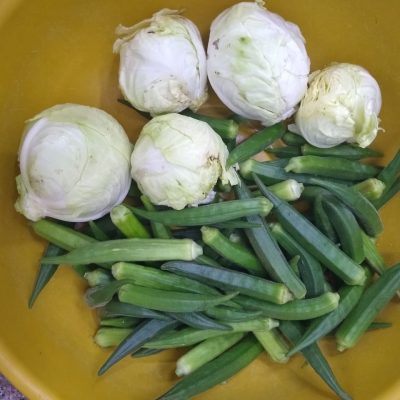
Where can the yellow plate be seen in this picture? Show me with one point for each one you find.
(60, 51)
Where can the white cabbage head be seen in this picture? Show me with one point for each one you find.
(74, 164)
(341, 104)
(162, 64)
(257, 62)
(177, 160)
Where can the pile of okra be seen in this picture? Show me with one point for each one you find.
(246, 273)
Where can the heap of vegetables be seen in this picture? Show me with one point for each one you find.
(190, 257)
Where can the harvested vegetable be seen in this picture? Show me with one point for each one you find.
(177, 160)
(80, 184)
(341, 104)
(170, 85)
(257, 63)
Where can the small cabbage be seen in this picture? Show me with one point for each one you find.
(257, 63)
(341, 104)
(177, 160)
(74, 162)
(162, 64)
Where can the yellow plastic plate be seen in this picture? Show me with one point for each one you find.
(56, 51)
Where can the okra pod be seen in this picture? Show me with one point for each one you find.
(234, 252)
(271, 172)
(205, 352)
(45, 273)
(268, 251)
(228, 314)
(97, 232)
(208, 214)
(295, 310)
(314, 357)
(199, 320)
(99, 296)
(226, 279)
(145, 352)
(331, 167)
(123, 218)
(349, 297)
(98, 277)
(160, 231)
(228, 129)
(111, 336)
(255, 144)
(162, 300)
(371, 188)
(143, 333)
(130, 250)
(289, 190)
(120, 322)
(322, 220)
(274, 344)
(373, 300)
(362, 208)
(372, 256)
(347, 151)
(216, 371)
(307, 235)
(387, 195)
(190, 336)
(284, 151)
(157, 279)
(60, 235)
(390, 173)
(310, 269)
(117, 309)
(293, 139)
(346, 227)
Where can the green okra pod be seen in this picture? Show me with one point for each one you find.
(306, 234)
(208, 214)
(123, 218)
(371, 188)
(115, 308)
(120, 322)
(227, 279)
(373, 300)
(228, 314)
(205, 352)
(332, 167)
(314, 357)
(362, 208)
(45, 273)
(199, 320)
(310, 268)
(143, 333)
(274, 344)
(255, 144)
(268, 251)
(216, 371)
(169, 301)
(190, 336)
(234, 252)
(295, 310)
(157, 279)
(130, 250)
(319, 327)
(284, 151)
(228, 129)
(347, 151)
(347, 228)
(293, 139)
